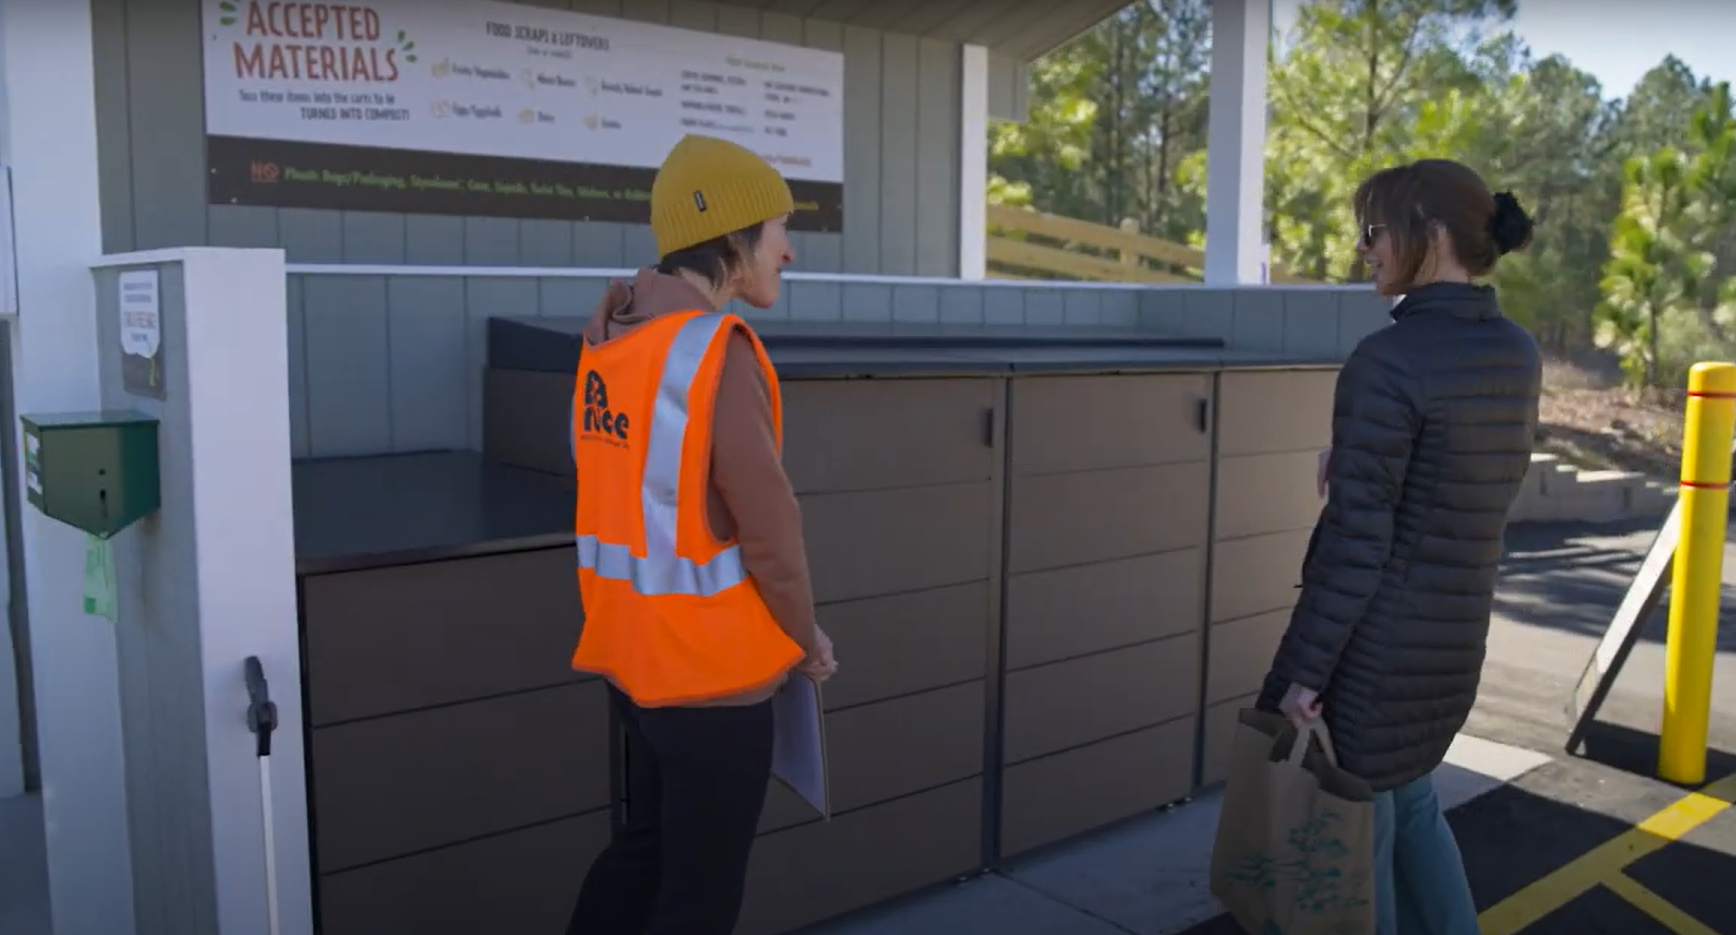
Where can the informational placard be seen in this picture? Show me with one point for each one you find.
(473, 107)
(141, 329)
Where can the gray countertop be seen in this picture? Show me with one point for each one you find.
(811, 350)
(355, 513)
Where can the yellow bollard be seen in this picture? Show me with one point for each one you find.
(1697, 578)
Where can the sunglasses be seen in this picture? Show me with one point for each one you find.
(1369, 233)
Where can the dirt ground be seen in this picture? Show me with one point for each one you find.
(1590, 420)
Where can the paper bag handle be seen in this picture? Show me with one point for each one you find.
(1315, 727)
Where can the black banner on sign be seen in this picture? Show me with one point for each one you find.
(281, 174)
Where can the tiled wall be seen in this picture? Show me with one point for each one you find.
(393, 363)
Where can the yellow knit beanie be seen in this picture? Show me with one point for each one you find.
(709, 187)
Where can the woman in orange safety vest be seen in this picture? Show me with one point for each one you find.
(691, 562)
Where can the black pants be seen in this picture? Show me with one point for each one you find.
(696, 782)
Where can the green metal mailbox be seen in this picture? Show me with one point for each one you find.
(96, 471)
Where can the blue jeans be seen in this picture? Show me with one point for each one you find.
(1419, 878)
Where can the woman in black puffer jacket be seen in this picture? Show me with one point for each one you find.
(1432, 428)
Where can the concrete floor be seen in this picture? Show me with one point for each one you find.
(1522, 806)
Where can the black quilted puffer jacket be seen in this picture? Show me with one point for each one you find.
(1433, 421)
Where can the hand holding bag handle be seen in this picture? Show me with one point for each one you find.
(1315, 728)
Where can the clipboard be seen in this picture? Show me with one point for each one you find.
(799, 742)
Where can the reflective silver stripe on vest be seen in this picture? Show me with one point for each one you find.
(661, 571)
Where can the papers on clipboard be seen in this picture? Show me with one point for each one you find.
(799, 742)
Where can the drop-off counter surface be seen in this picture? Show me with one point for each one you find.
(1023, 545)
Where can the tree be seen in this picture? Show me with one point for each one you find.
(1358, 86)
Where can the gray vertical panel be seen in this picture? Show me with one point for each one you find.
(310, 236)
(1044, 307)
(899, 91)
(569, 297)
(599, 7)
(165, 81)
(298, 438)
(825, 253)
(916, 303)
(426, 321)
(693, 14)
(242, 226)
(638, 245)
(598, 245)
(349, 405)
(1003, 305)
(486, 297)
(433, 240)
(373, 237)
(114, 171)
(799, 247)
(867, 302)
(1310, 322)
(1002, 73)
(1209, 313)
(961, 304)
(648, 11)
(1259, 319)
(17, 613)
(1082, 306)
(821, 34)
(1120, 307)
(815, 301)
(862, 169)
(490, 242)
(545, 243)
(937, 158)
(781, 27)
(738, 21)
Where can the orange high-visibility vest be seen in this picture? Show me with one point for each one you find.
(671, 616)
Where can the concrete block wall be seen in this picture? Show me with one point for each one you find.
(387, 359)
(1555, 491)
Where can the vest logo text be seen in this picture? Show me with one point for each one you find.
(599, 419)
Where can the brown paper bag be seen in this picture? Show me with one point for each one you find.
(1295, 842)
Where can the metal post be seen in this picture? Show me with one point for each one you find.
(262, 720)
(1696, 582)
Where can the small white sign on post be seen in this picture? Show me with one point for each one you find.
(141, 327)
(141, 313)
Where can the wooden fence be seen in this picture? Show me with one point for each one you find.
(1026, 244)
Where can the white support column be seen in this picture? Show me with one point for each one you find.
(243, 529)
(1236, 143)
(973, 162)
(48, 137)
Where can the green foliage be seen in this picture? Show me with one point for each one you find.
(1634, 198)
(1667, 285)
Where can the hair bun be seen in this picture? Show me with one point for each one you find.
(1511, 226)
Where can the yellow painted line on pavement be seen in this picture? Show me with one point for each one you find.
(1607, 860)
(1656, 906)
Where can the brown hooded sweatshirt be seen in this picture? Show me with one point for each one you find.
(750, 498)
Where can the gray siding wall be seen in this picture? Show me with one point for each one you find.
(901, 156)
(1009, 89)
(384, 364)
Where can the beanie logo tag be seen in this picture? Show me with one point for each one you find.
(699, 201)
